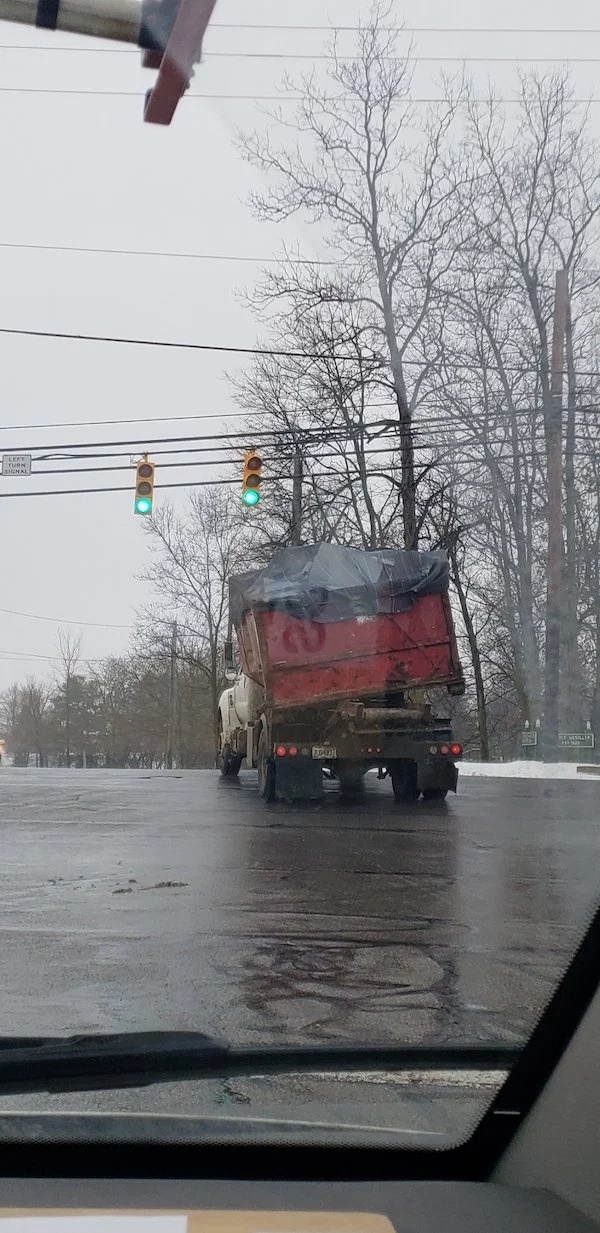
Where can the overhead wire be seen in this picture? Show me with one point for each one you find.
(235, 415)
(330, 28)
(273, 352)
(178, 256)
(33, 616)
(228, 349)
(251, 435)
(255, 437)
(368, 451)
(585, 408)
(144, 419)
(342, 57)
(419, 100)
(467, 460)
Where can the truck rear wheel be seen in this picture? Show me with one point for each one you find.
(266, 770)
(403, 775)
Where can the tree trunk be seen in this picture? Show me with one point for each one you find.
(484, 744)
(570, 666)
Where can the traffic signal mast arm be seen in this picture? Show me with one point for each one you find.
(169, 32)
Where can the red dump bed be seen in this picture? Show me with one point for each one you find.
(308, 663)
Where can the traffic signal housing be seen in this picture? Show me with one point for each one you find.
(144, 487)
(251, 478)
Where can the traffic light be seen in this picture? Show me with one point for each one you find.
(252, 478)
(144, 487)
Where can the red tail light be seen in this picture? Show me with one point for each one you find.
(281, 751)
(293, 750)
(456, 750)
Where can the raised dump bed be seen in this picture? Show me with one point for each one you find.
(323, 623)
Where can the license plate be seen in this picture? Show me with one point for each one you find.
(324, 751)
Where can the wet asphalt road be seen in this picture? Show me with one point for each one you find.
(137, 900)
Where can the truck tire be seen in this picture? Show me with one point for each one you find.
(229, 763)
(435, 794)
(403, 775)
(266, 770)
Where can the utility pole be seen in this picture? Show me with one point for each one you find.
(554, 586)
(172, 697)
(296, 534)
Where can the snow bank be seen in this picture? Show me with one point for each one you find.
(527, 770)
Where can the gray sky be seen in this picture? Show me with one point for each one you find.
(83, 170)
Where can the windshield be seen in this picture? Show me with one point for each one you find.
(300, 602)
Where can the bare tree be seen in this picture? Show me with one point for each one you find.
(375, 177)
(533, 208)
(322, 411)
(34, 718)
(192, 558)
(69, 646)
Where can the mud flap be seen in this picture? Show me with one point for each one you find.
(437, 773)
(298, 779)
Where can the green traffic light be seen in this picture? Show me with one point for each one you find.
(143, 505)
(251, 496)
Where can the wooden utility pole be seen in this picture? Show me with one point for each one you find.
(554, 586)
(172, 722)
(296, 535)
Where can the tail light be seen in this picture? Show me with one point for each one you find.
(293, 750)
(456, 750)
(281, 751)
(444, 749)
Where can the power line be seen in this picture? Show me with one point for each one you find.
(329, 29)
(210, 415)
(295, 55)
(23, 656)
(68, 492)
(178, 256)
(20, 656)
(33, 616)
(319, 434)
(271, 352)
(281, 98)
(251, 435)
(326, 56)
(333, 27)
(367, 450)
(423, 422)
(181, 346)
(468, 460)
(150, 419)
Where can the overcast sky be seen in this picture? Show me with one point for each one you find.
(81, 169)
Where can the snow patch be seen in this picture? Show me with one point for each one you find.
(526, 770)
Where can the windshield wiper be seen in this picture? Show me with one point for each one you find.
(136, 1059)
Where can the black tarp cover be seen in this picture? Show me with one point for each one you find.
(327, 582)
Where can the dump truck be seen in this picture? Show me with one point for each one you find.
(338, 650)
